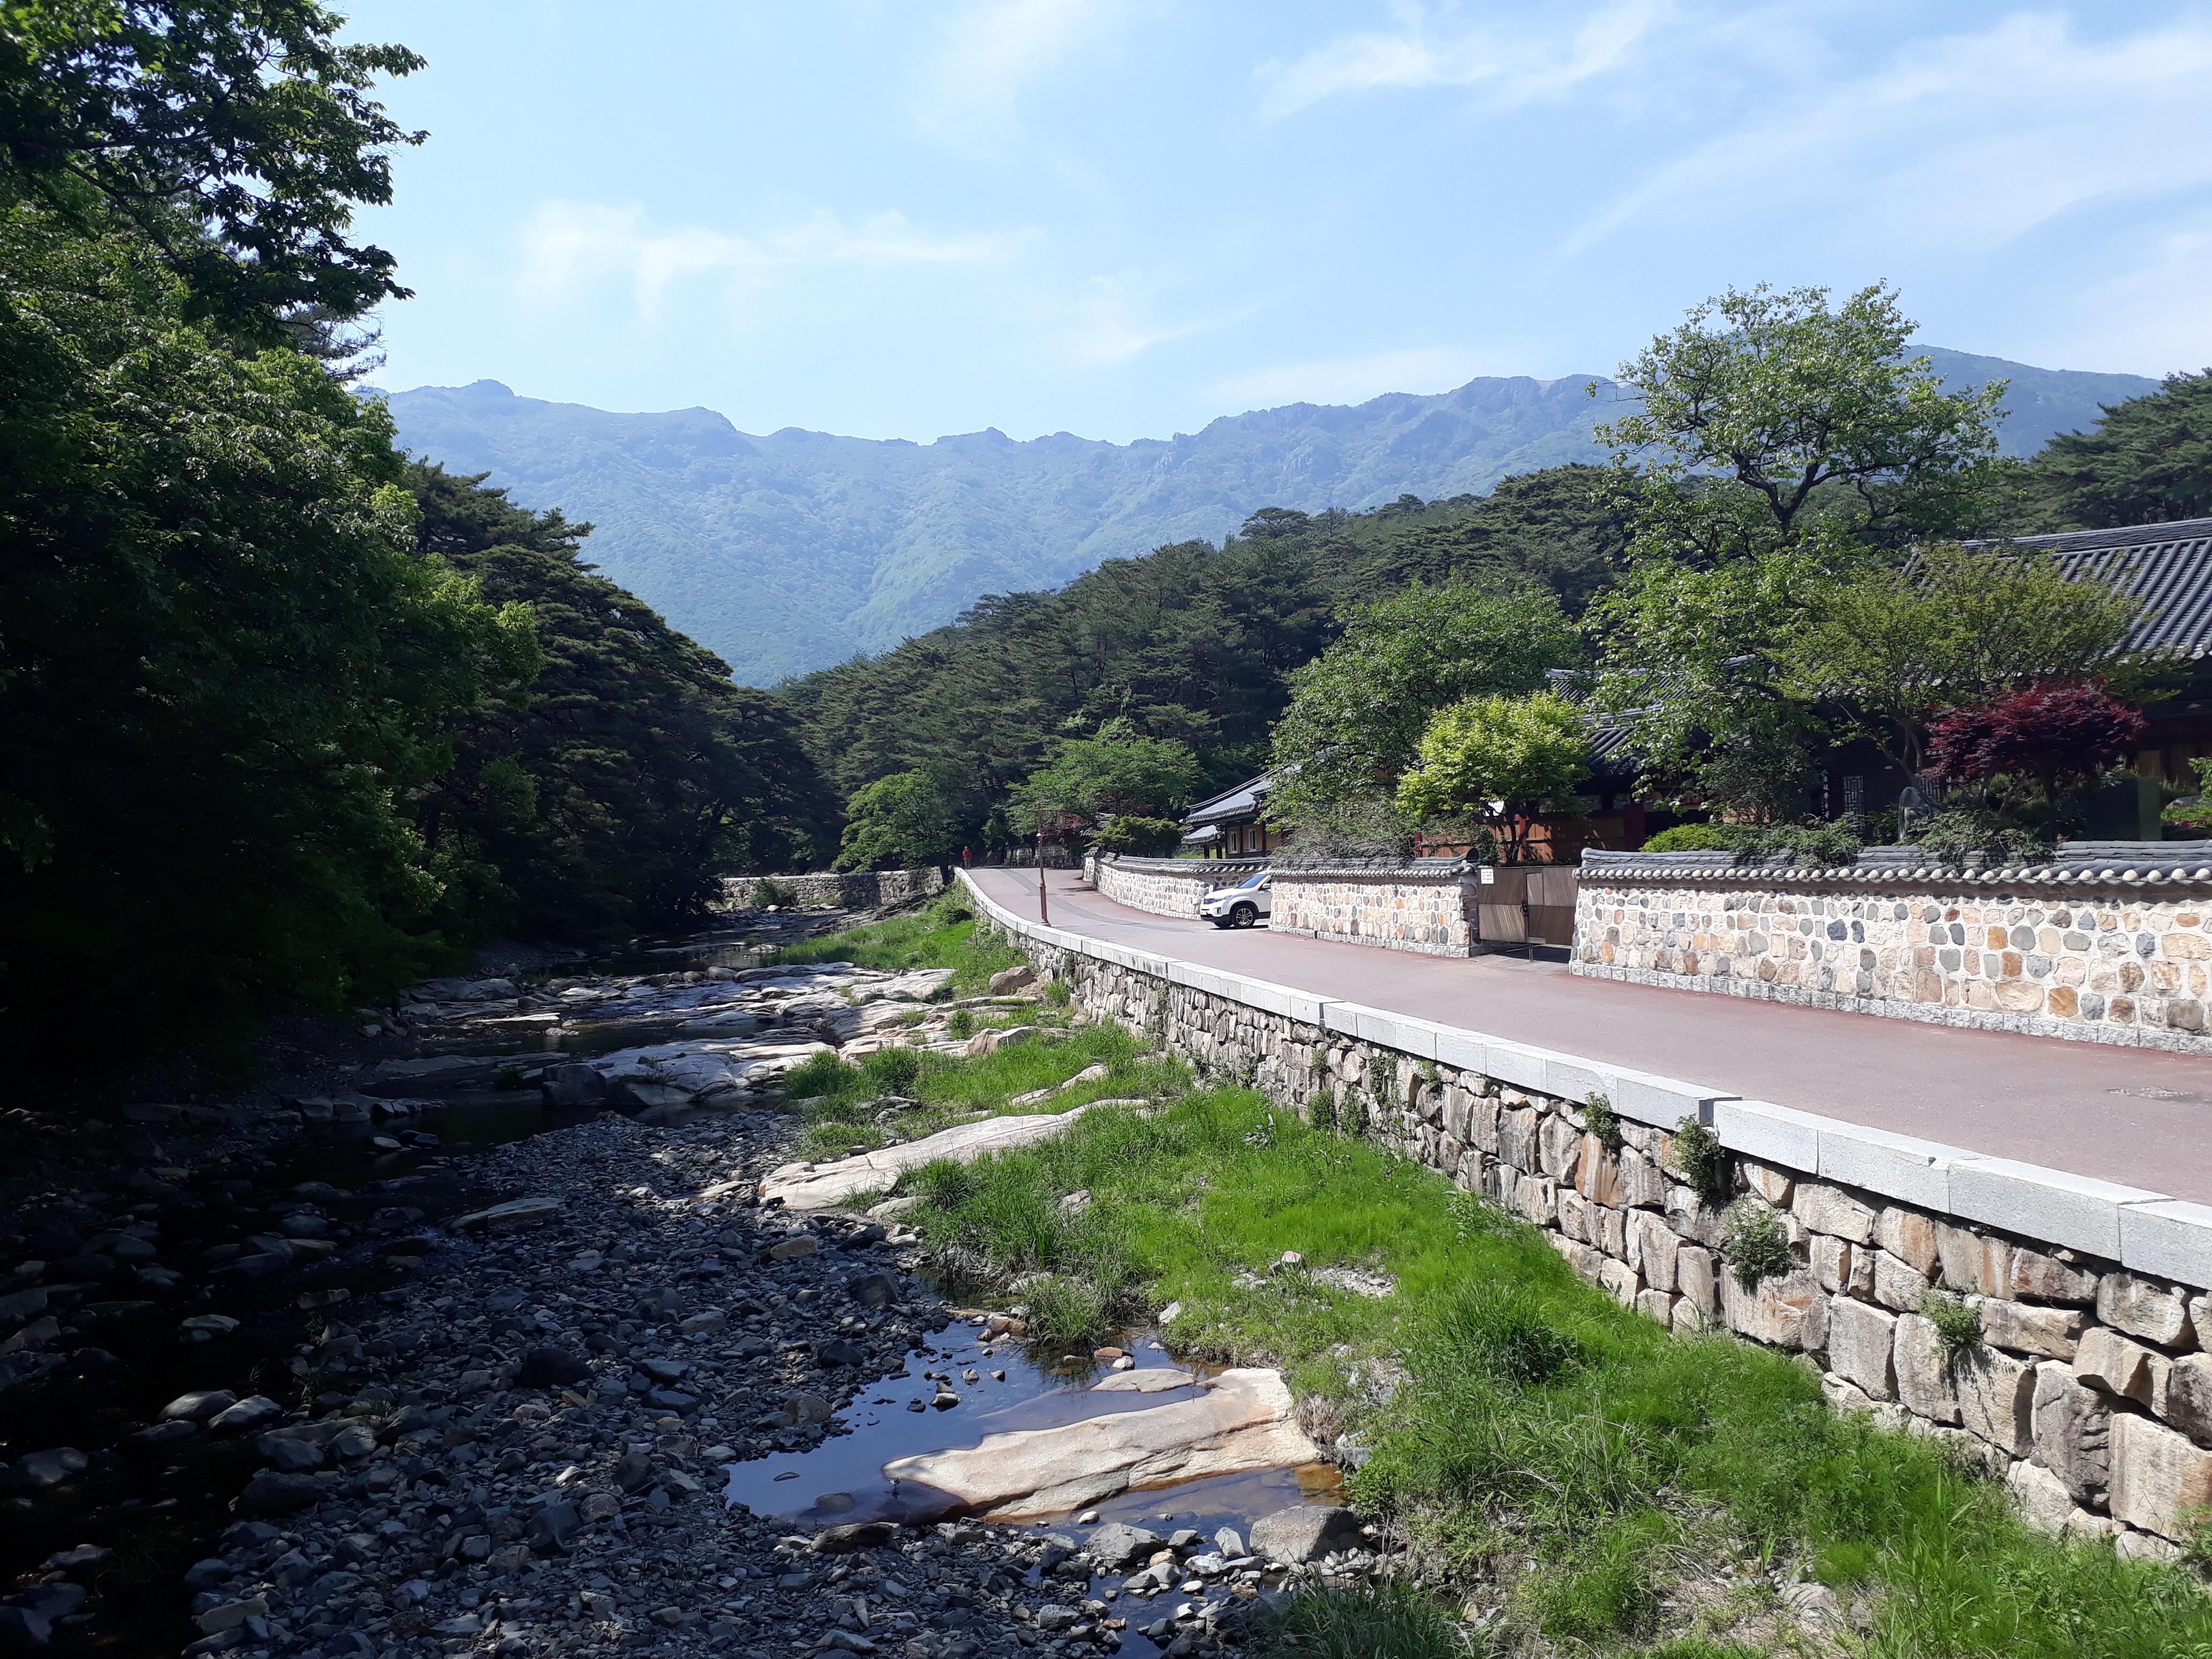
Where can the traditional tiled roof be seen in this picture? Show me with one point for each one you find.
(1242, 802)
(2167, 565)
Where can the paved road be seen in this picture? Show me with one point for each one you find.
(2138, 1116)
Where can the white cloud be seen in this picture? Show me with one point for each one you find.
(971, 87)
(1117, 317)
(1424, 369)
(1511, 67)
(569, 246)
(1964, 140)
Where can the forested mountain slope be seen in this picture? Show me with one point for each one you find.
(790, 551)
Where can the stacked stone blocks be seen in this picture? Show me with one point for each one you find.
(2086, 961)
(2089, 1393)
(1165, 887)
(1421, 907)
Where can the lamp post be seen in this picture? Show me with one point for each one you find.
(1044, 903)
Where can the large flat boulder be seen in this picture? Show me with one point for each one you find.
(821, 1186)
(1242, 1422)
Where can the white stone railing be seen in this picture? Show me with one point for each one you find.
(2090, 1395)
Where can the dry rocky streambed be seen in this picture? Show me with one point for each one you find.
(536, 1339)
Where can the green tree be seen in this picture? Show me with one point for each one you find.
(618, 788)
(1782, 448)
(226, 669)
(235, 139)
(1116, 771)
(1960, 627)
(2148, 461)
(897, 823)
(1499, 759)
(1357, 712)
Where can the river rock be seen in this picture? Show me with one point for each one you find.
(293, 1456)
(511, 1213)
(51, 1467)
(551, 1368)
(859, 1535)
(250, 1412)
(199, 1404)
(1244, 1422)
(1305, 1533)
(271, 1492)
(817, 1187)
(1116, 1544)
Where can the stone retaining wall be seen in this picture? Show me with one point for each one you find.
(1166, 887)
(2100, 947)
(1427, 905)
(860, 890)
(2090, 1394)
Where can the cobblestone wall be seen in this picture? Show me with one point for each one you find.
(1166, 887)
(2088, 1394)
(2098, 951)
(861, 890)
(1427, 905)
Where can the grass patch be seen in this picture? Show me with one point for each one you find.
(941, 934)
(1539, 1436)
(839, 1099)
(1391, 1620)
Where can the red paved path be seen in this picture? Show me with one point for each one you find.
(2138, 1116)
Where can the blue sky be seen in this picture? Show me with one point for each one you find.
(1124, 217)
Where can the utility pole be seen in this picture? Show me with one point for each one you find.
(1044, 903)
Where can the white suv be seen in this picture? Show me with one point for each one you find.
(1241, 906)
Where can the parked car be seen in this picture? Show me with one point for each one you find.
(1241, 906)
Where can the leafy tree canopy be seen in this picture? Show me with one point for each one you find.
(1120, 770)
(1783, 450)
(236, 139)
(898, 822)
(1358, 711)
(1499, 759)
(2148, 461)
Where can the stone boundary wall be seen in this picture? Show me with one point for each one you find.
(1427, 905)
(860, 890)
(1166, 887)
(2091, 1396)
(2101, 947)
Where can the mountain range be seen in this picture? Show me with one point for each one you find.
(790, 551)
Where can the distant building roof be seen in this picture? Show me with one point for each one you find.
(1243, 801)
(2167, 565)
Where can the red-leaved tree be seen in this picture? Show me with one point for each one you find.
(2057, 734)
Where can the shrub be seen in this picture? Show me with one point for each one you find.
(1142, 837)
(1693, 838)
(962, 1024)
(1056, 994)
(1065, 1308)
(1699, 1159)
(1321, 1107)
(1363, 827)
(1955, 834)
(1381, 1078)
(769, 893)
(1600, 1120)
(1755, 1242)
(1958, 1326)
(1835, 843)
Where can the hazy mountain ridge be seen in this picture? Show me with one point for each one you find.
(791, 551)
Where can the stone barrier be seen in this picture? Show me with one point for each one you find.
(2088, 1392)
(1166, 887)
(2107, 943)
(1427, 905)
(859, 890)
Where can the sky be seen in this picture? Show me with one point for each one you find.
(1123, 218)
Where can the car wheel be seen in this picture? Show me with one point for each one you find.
(1244, 915)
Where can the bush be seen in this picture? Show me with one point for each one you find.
(1363, 827)
(1957, 833)
(1755, 1242)
(768, 894)
(1958, 1326)
(1066, 1309)
(1693, 838)
(1600, 1120)
(1320, 1108)
(1699, 1159)
(1140, 837)
(1835, 843)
